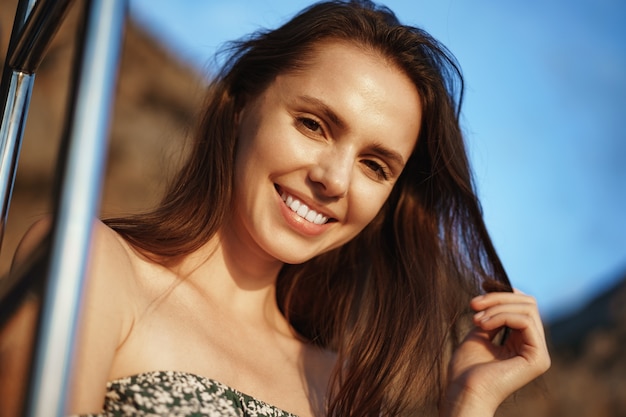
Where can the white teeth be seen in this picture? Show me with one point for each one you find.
(302, 210)
(311, 215)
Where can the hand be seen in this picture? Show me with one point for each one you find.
(483, 374)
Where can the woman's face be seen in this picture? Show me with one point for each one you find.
(319, 152)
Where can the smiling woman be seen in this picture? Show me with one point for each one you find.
(316, 140)
(321, 250)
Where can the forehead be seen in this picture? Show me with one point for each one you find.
(369, 93)
(327, 52)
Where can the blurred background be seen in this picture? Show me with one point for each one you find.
(543, 114)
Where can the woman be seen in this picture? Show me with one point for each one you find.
(321, 251)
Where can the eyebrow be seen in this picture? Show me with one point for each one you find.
(377, 148)
(324, 108)
(388, 154)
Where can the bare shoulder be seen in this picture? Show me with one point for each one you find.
(107, 316)
(119, 275)
(111, 259)
(111, 299)
(108, 308)
(111, 273)
(106, 243)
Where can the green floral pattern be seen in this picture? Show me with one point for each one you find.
(181, 394)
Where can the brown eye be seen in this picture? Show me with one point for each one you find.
(376, 168)
(310, 124)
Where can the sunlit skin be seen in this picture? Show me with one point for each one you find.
(336, 136)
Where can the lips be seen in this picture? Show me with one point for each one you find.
(303, 210)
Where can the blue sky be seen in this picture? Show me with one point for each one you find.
(544, 119)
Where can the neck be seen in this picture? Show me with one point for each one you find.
(239, 281)
(250, 267)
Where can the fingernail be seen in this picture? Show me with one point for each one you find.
(478, 315)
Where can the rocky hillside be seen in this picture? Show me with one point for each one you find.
(154, 111)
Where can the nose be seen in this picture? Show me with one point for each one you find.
(332, 173)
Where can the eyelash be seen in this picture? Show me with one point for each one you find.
(307, 122)
(381, 172)
(312, 125)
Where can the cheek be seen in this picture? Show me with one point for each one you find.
(266, 144)
(367, 203)
(250, 155)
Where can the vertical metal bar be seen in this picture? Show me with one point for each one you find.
(76, 210)
(11, 134)
(43, 22)
(16, 93)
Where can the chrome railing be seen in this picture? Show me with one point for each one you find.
(80, 171)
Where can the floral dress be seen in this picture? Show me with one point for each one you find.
(178, 394)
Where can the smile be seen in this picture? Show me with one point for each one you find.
(303, 210)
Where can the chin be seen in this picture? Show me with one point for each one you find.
(296, 260)
(301, 257)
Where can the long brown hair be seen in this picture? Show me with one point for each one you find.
(392, 301)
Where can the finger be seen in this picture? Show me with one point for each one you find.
(505, 295)
(521, 307)
(522, 323)
(489, 306)
(517, 308)
(515, 321)
(484, 301)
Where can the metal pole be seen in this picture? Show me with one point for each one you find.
(76, 209)
(35, 24)
(43, 22)
(15, 93)
(11, 133)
